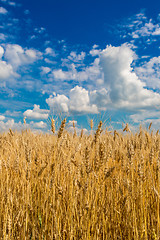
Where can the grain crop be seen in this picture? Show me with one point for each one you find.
(61, 185)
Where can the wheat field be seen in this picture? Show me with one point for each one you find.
(63, 186)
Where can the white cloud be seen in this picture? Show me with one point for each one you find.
(18, 56)
(121, 87)
(80, 101)
(157, 31)
(32, 54)
(36, 125)
(45, 70)
(100, 98)
(74, 57)
(94, 51)
(145, 115)
(149, 72)
(139, 26)
(77, 102)
(36, 113)
(92, 73)
(58, 103)
(146, 30)
(49, 51)
(62, 75)
(3, 10)
(6, 71)
(2, 117)
(125, 88)
(95, 46)
(4, 126)
(47, 60)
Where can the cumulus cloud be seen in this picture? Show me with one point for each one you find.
(6, 71)
(58, 103)
(63, 75)
(126, 90)
(4, 126)
(36, 113)
(78, 102)
(121, 87)
(18, 56)
(101, 99)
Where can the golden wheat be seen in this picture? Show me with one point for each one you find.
(105, 186)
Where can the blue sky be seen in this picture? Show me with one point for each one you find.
(80, 60)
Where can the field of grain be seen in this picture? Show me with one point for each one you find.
(64, 186)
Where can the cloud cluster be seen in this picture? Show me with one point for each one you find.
(6, 69)
(74, 57)
(146, 29)
(145, 117)
(17, 56)
(122, 88)
(12, 57)
(149, 72)
(6, 125)
(10, 123)
(36, 113)
(138, 28)
(88, 73)
(78, 102)
(126, 90)
(94, 51)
